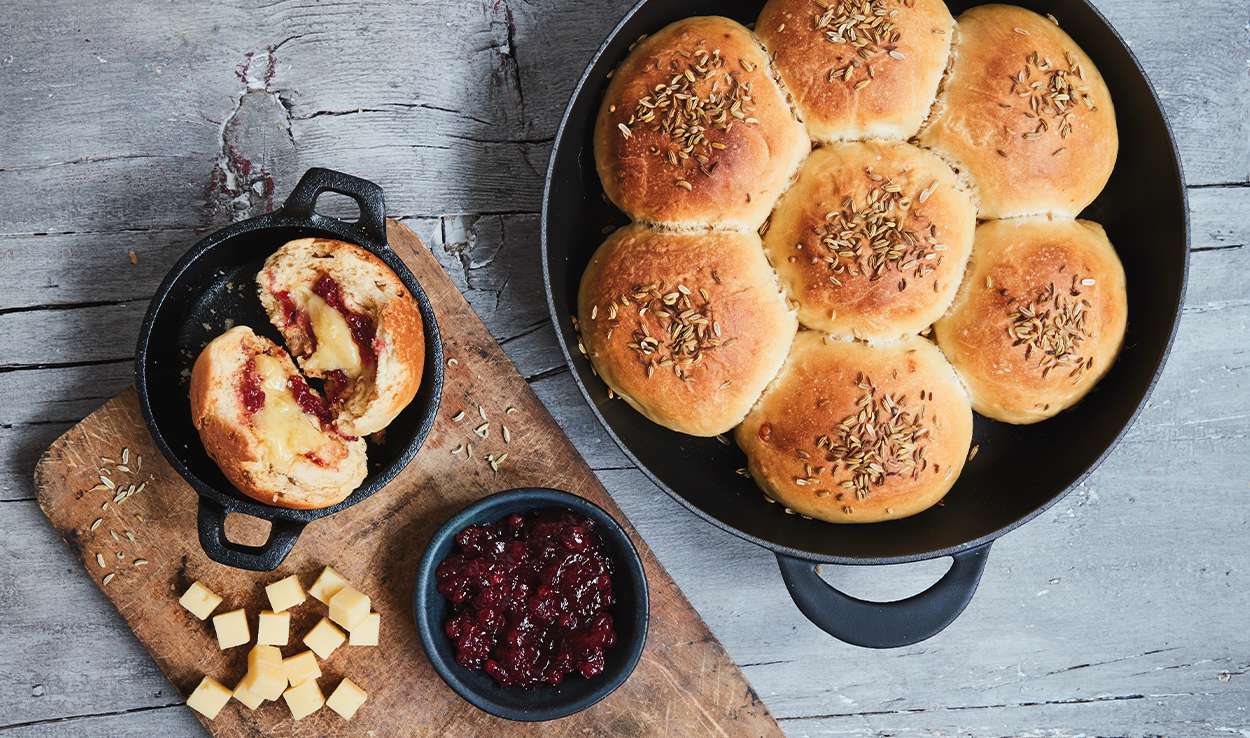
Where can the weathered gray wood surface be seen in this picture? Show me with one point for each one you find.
(1122, 611)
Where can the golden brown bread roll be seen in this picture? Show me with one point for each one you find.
(271, 434)
(1026, 114)
(349, 320)
(859, 68)
(872, 239)
(853, 433)
(1039, 319)
(693, 131)
(687, 328)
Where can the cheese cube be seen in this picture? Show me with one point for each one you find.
(347, 698)
(232, 629)
(242, 694)
(200, 600)
(285, 593)
(300, 668)
(324, 638)
(304, 700)
(208, 698)
(366, 633)
(266, 678)
(349, 607)
(327, 585)
(273, 628)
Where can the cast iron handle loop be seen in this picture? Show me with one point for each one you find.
(211, 522)
(884, 624)
(302, 201)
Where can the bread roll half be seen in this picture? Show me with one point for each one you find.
(269, 432)
(348, 320)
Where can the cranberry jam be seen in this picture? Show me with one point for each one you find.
(529, 595)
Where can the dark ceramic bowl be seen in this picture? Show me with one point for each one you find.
(630, 613)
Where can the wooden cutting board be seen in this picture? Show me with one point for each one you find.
(684, 685)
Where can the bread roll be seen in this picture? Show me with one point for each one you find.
(859, 69)
(872, 239)
(1039, 319)
(348, 320)
(271, 434)
(693, 132)
(1026, 114)
(686, 328)
(851, 433)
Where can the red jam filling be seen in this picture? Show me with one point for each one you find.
(360, 324)
(292, 315)
(253, 395)
(529, 595)
(309, 401)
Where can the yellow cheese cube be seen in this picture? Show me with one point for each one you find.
(266, 677)
(242, 694)
(366, 632)
(285, 593)
(208, 698)
(349, 607)
(273, 628)
(324, 638)
(200, 600)
(347, 698)
(232, 629)
(300, 668)
(304, 700)
(327, 585)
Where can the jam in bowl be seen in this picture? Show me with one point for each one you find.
(532, 604)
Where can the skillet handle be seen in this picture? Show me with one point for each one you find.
(884, 624)
(211, 522)
(302, 202)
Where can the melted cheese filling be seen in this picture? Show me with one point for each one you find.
(286, 431)
(336, 350)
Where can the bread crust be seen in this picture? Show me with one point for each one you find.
(1000, 352)
(906, 54)
(887, 263)
(231, 440)
(719, 285)
(368, 403)
(730, 171)
(800, 456)
(1029, 151)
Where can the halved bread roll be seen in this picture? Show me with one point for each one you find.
(271, 434)
(348, 320)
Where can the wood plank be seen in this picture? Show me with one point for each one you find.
(684, 681)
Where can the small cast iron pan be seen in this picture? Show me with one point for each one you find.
(212, 288)
(1018, 472)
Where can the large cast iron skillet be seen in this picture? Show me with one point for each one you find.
(212, 287)
(1019, 471)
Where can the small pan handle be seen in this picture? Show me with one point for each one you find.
(302, 202)
(884, 624)
(211, 521)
